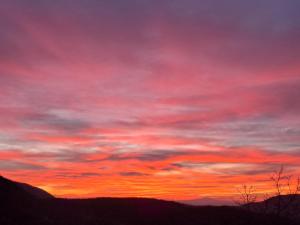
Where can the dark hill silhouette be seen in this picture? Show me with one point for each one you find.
(289, 206)
(34, 191)
(20, 207)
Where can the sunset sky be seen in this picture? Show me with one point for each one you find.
(172, 99)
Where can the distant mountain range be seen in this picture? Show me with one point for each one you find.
(22, 204)
(207, 201)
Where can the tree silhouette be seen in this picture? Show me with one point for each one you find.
(282, 202)
(247, 195)
(286, 186)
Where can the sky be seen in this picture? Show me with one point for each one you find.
(149, 98)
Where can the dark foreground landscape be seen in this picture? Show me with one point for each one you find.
(22, 204)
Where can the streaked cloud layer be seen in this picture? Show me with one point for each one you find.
(148, 98)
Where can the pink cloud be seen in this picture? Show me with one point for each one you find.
(148, 93)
